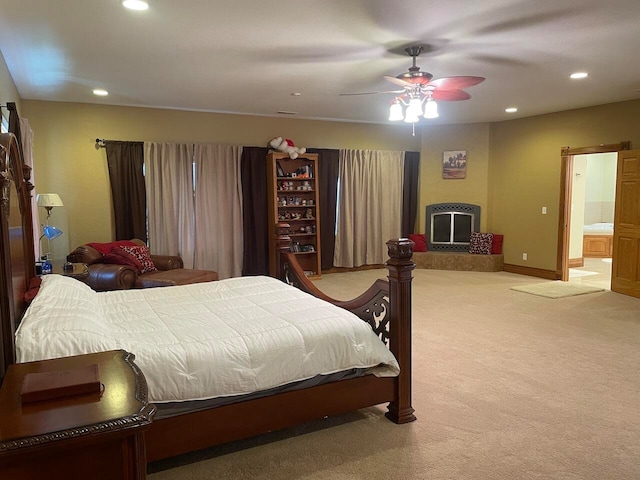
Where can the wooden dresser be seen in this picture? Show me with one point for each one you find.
(80, 437)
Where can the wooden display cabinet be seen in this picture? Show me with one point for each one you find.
(293, 198)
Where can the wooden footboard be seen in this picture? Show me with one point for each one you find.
(386, 306)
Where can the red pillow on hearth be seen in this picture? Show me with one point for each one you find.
(480, 243)
(420, 240)
(496, 244)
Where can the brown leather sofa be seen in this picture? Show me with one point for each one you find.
(105, 276)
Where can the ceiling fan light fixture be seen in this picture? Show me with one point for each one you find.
(431, 109)
(411, 118)
(415, 107)
(395, 111)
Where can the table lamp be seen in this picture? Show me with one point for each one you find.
(48, 201)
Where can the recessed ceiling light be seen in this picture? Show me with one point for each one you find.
(100, 92)
(296, 94)
(511, 110)
(135, 4)
(577, 75)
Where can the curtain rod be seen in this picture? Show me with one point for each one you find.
(102, 142)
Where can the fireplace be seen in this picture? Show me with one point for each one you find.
(449, 226)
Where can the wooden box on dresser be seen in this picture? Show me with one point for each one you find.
(92, 436)
(293, 198)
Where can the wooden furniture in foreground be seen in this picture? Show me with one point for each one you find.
(597, 246)
(386, 306)
(83, 436)
(293, 197)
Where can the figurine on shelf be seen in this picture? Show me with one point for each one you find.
(308, 213)
(287, 146)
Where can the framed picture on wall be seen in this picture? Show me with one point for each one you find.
(454, 164)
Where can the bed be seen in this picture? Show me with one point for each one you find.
(597, 240)
(261, 404)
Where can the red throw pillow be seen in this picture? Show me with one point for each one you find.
(420, 240)
(117, 257)
(105, 248)
(141, 255)
(496, 244)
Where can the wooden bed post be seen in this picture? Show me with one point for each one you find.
(283, 245)
(400, 266)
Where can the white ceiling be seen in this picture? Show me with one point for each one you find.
(249, 56)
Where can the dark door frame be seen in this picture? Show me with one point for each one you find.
(566, 184)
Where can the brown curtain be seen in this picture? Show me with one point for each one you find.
(125, 161)
(253, 171)
(410, 192)
(328, 168)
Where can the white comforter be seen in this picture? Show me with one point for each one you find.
(204, 340)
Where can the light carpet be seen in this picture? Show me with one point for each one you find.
(557, 289)
(505, 386)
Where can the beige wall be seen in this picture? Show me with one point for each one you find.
(600, 189)
(67, 162)
(8, 91)
(524, 173)
(474, 138)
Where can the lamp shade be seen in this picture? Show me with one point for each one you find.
(415, 107)
(431, 109)
(395, 112)
(51, 232)
(49, 200)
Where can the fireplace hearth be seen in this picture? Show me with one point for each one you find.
(449, 226)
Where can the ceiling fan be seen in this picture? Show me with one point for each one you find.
(420, 92)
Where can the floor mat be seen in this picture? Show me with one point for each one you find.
(557, 289)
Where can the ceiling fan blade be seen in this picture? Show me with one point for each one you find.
(455, 83)
(370, 93)
(450, 95)
(398, 81)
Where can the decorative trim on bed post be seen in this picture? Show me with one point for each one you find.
(400, 266)
(16, 244)
(283, 245)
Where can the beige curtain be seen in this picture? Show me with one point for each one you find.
(218, 209)
(170, 199)
(369, 206)
(27, 150)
